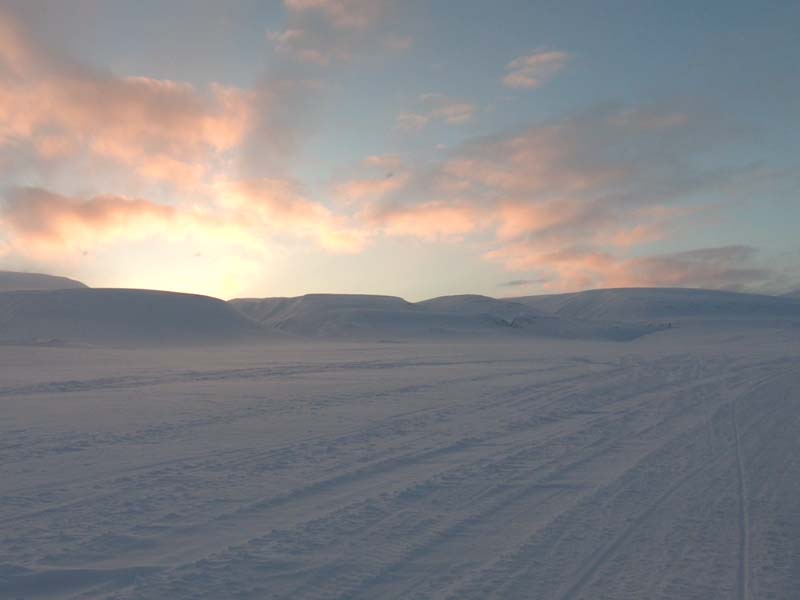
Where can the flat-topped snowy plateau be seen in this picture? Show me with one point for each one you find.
(13, 281)
(362, 447)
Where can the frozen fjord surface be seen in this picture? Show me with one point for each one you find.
(666, 467)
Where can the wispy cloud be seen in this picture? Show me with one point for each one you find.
(533, 70)
(46, 224)
(323, 32)
(516, 283)
(192, 148)
(570, 201)
(249, 213)
(282, 206)
(436, 107)
(58, 110)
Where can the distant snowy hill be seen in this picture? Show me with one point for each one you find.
(357, 316)
(642, 304)
(119, 316)
(11, 281)
(140, 317)
(339, 316)
(473, 304)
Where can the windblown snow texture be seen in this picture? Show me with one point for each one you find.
(487, 452)
(662, 468)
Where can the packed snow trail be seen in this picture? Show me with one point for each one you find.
(744, 518)
(664, 468)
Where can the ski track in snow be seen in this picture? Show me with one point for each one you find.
(744, 519)
(661, 469)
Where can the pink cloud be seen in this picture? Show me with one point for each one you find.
(45, 223)
(307, 46)
(358, 190)
(576, 268)
(386, 175)
(323, 32)
(534, 70)
(282, 206)
(47, 216)
(162, 130)
(430, 221)
(242, 213)
(436, 107)
(343, 14)
(568, 201)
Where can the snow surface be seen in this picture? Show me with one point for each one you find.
(469, 456)
(11, 281)
(662, 468)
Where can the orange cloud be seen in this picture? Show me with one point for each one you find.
(358, 190)
(572, 269)
(281, 206)
(240, 213)
(43, 217)
(568, 201)
(161, 130)
(534, 70)
(391, 177)
(46, 222)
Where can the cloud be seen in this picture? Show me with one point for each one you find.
(43, 229)
(579, 268)
(55, 109)
(322, 32)
(430, 221)
(138, 133)
(308, 46)
(383, 175)
(342, 14)
(436, 107)
(521, 283)
(570, 201)
(534, 70)
(42, 215)
(727, 267)
(42, 223)
(358, 190)
(281, 206)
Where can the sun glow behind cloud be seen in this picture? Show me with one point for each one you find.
(196, 186)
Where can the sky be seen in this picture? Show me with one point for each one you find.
(412, 148)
